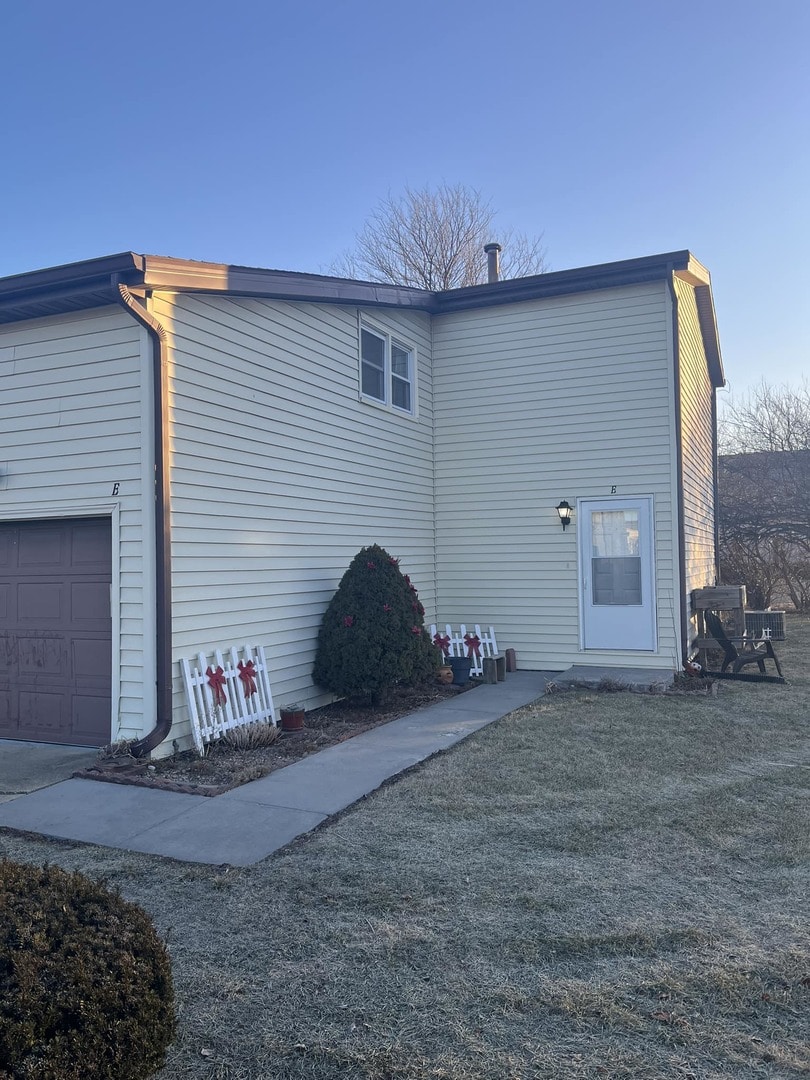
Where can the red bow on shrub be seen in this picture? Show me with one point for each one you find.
(442, 641)
(216, 680)
(247, 673)
(473, 643)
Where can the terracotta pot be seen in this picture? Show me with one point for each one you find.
(445, 674)
(292, 719)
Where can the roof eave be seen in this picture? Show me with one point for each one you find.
(76, 286)
(179, 275)
(556, 283)
(72, 287)
(711, 338)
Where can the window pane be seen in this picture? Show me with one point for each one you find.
(614, 533)
(401, 393)
(372, 381)
(372, 349)
(400, 361)
(616, 581)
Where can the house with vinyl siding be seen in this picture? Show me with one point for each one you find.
(192, 453)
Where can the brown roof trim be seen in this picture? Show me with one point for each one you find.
(185, 276)
(708, 328)
(557, 283)
(91, 279)
(88, 284)
(72, 287)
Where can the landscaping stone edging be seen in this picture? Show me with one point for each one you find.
(154, 783)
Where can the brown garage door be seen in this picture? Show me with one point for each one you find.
(55, 631)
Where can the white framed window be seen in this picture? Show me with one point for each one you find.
(387, 370)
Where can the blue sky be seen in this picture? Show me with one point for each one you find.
(263, 134)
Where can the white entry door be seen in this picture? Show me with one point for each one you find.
(617, 573)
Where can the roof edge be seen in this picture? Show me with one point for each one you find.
(71, 287)
(557, 282)
(711, 338)
(88, 284)
(186, 276)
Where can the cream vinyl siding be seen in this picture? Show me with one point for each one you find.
(74, 422)
(697, 445)
(536, 402)
(280, 473)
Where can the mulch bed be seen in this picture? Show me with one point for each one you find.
(224, 768)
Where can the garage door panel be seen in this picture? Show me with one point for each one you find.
(5, 710)
(90, 602)
(40, 603)
(42, 712)
(92, 659)
(40, 656)
(89, 548)
(56, 631)
(90, 714)
(41, 548)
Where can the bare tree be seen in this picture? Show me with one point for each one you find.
(433, 238)
(767, 418)
(764, 484)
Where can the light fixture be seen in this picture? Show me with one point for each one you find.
(564, 510)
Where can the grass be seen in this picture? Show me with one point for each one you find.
(600, 885)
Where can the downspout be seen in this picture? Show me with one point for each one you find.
(718, 580)
(681, 533)
(163, 568)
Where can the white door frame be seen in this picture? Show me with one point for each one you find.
(646, 625)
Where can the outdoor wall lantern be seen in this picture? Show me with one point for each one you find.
(564, 510)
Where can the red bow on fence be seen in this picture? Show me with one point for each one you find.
(442, 641)
(473, 643)
(247, 673)
(216, 680)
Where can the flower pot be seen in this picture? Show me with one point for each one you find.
(461, 669)
(292, 719)
(444, 674)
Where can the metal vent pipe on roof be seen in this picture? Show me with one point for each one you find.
(493, 261)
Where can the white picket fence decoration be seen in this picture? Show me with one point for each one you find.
(488, 646)
(210, 721)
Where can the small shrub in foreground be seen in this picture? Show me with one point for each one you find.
(85, 982)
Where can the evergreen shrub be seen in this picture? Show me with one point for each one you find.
(373, 634)
(85, 982)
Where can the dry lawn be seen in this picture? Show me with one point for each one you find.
(598, 886)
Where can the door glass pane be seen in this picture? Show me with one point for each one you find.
(615, 560)
(614, 533)
(616, 581)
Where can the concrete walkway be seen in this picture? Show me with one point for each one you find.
(26, 767)
(247, 824)
(638, 680)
